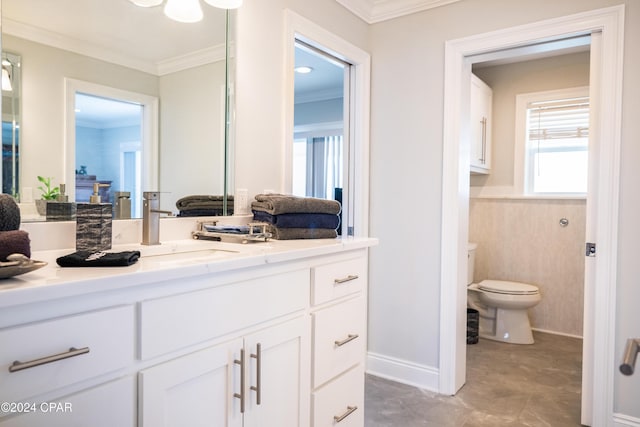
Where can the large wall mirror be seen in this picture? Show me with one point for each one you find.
(76, 62)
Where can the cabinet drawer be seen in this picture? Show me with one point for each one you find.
(107, 405)
(178, 321)
(342, 399)
(104, 340)
(338, 279)
(339, 339)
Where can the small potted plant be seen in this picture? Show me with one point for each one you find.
(48, 193)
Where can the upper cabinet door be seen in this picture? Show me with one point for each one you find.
(481, 122)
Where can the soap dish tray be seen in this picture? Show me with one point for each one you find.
(252, 232)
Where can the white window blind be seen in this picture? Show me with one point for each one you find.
(557, 145)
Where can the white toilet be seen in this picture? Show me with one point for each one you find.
(502, 306)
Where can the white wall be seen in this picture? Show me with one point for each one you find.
(260, 75)
(409, 51)
(191, 133)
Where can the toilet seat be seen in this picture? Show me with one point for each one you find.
(508, 288)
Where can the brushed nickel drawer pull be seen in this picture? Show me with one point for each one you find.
(350, 410)
(258, 387)
(349, 338)
(73, 352)
(241, 394)
(346, 279)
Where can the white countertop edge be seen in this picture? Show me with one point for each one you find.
(54, 282)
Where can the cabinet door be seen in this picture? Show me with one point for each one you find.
(193, 390)
(107, 405)
(481, 97)
(278, 373)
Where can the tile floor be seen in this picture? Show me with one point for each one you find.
(507, 385)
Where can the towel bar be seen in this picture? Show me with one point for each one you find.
(630, 355)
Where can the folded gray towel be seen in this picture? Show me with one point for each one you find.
(301, 233)
(202, 202)
(277, 204)
(9, 213)
(14, 242)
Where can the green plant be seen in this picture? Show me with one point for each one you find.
(48, 193)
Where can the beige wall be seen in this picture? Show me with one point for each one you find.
(522, 240)
(507, 81)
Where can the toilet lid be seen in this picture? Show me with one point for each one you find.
(504, 287)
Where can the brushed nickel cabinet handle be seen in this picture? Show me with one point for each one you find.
(484, 140)
(241, 394)
(73, 352)
(258, 387)
(350, 410)
(349, 338)
(346, 279)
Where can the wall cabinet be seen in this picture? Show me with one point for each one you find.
(480, 127)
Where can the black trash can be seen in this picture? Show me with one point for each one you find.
(473, 325)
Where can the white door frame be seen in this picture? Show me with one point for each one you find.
(607, 86)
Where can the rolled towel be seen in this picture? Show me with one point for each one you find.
(99, 259)
(277, 204)
(14, 242)
(9, 213)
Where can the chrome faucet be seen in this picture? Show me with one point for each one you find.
(151, 217)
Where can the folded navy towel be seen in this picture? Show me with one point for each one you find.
(14, 242)
(276, 204)
(299, 220)
(9, 213)
(99, 259)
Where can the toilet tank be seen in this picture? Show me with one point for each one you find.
(471, 260)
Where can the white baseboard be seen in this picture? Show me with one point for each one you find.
(402, 371)
(621, 420)
(556, 333)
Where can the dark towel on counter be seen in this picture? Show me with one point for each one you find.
(14, 242)
(301, 233)
(202, 202)
(299, 220)
(99, 259)
(9, 213)
(276, 204)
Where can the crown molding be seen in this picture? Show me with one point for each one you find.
(170, 65)
(373, 11)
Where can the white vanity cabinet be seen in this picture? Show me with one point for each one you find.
(258, 377)
(339, 341)
(480, 127)
(276, 340)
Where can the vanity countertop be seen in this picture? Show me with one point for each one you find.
(171, 260)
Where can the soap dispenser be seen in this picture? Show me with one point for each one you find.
(93, 223)
(61, 209)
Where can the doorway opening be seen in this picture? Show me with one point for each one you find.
(321, 116)
(605, 28)
(111, 139)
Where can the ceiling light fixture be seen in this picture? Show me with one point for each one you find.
(187, 10)
(303, 69)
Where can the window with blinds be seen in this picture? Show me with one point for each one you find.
(557, 142)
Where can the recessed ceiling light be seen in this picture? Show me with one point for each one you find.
(303, 70)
